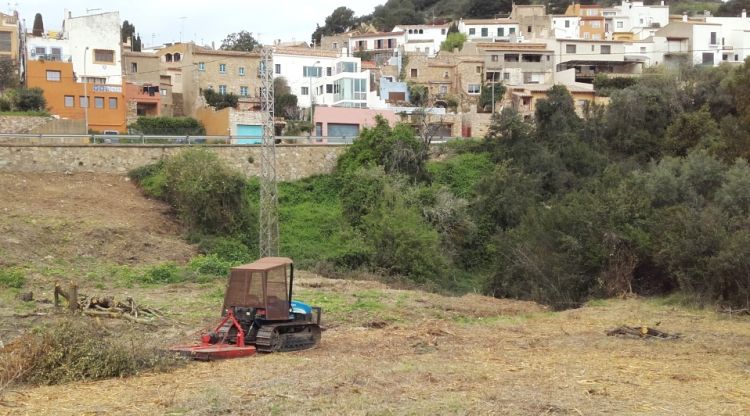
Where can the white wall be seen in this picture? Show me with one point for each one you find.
(735, 31)
(465, 28)
(291, 69)
(99, 31)
(431, 37)
(559, 30)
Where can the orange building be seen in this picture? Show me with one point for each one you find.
(592, 20)
(65, 96)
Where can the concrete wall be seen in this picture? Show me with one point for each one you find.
(293, 162)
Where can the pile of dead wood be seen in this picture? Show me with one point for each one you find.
(107, 306)
(641, 332)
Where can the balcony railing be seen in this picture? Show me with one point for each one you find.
(50, 57)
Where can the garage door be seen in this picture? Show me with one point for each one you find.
(343, 130)
(249, 134)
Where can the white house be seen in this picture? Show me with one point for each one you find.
(490, 29)
(324, 78)
(565, 27)
(424, 39)
(704, 43)
(734, 37)
(636, 18)
(91, 43)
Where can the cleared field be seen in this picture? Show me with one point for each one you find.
(385, 351)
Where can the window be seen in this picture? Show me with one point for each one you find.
(619, 25)
(501, 31)
(83, 102)
(474, 89)
(708, 58)
(244, 91)
(414, 72)
(495, 58)
(511, 30)
(478, 69)
(329, 88)
(133, 67)
(163, 92)
(472, 31)
(201, 66)
(443, 89)
(567, 23)
(5, 42)
(445, 74)
(113, 102)
(99, 102)
(643, 49)
(528, 29)
(311, 71)
(587, 35)
(346, 67)
(510, 57)
(442, 31)
(39, 50)
(329, 71)
(641, 21)
(570, 48)
(305, 91)
(222, 89)
(177, 57)
(335, 45)
(222, 68)
(426, 50)
(713, 38)
(70, 101)
(168, 57)
(106, 56)
(484, 32)
(242, 71)
(531, 58)
(53, 76)
(506, 76)
(596, 24)
(277, 68)
(606, 49)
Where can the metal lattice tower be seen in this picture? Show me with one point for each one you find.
(269, 201)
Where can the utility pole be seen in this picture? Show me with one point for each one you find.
(269, 200)
(86, 89)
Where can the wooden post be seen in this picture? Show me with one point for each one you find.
(73, 298)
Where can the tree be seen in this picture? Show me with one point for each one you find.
(452, 41)
(240, 41)
(489, 8)
(556, 115)
(341, 20)
(285, 103)
(38, 29)
(126, 31)
(31, 99)
(8, 76)
(396, 12)
(733, 8)
(486, 96)
(220, 101)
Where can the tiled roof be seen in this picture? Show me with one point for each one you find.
(199, 50)
(323, 53)
(489, 21)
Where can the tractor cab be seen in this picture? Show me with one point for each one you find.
(263, 287)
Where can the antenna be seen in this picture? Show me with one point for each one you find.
(182, 27)
(269, 201)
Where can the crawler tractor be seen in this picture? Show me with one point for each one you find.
(259, 315)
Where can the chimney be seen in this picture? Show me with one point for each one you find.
(684, 16)
(744, 14)
(662, 2)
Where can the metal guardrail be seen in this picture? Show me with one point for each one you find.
(130, 139)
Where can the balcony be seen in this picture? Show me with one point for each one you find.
(50, 57)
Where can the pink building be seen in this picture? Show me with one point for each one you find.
(347, 122)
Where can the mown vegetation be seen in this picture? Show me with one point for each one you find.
(648, 195)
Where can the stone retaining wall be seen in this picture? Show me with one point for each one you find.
(293, 161)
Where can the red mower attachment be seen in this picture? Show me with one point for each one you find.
(212, 348)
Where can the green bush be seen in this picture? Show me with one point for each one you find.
(210, 264)
(12, 277)
(30, 99)
(462, 172)
(209, 196)
(163, 273)
(220, 101)
(180, 126)
(228, 249)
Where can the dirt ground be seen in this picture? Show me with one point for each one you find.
(384, 351)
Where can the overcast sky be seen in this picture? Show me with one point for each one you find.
(159, 21)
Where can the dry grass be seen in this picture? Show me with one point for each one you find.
(447, 355)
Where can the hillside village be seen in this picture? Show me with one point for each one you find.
(350, 77)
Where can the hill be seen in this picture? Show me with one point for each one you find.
(385, 350)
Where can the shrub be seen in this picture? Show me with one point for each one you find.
(77, 350)
(30, 99)
(182, 126)
(163, 273)
(462, 172)
(227, 249)
(208, 196)
(220, 101)
(12, 277)
(210, 264)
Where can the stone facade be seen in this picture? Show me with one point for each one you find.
(293, 161)
(21, 124)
